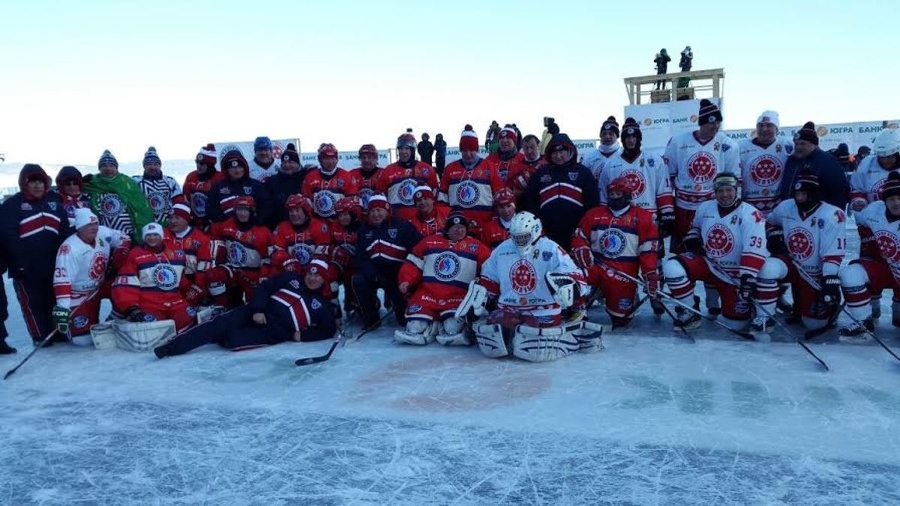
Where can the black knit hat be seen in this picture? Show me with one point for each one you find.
(610, 125)
(709, 112)
(807, 133)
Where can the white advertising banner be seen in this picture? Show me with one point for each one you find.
(659, 122)
(346, 159)
(831, 135)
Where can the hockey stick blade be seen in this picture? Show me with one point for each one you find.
(320, 358)
(871, 334)
(36, 348)
(788, 332)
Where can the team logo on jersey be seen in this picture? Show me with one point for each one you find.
(110, 205)
(98, 267)
(701, 167)
(315, 304)
(406, 191)
(788, 148)
(719, 241)
(800, 243)
(364, 195)
(248, 190)
(302, 252)
(523, 277)
(467, 194)
(650, 162)
(236, 253)
(64, 249)
(164, 276)
(636, 181)
(573, 176)
(52, 206)
(887, 245)
(611, 243)
(414, 308)
(158, 201)
(766, 171)
(446, 266)
(324, 201)
(198, 204)
(80, 322)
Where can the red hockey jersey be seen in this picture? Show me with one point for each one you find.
(399, 183)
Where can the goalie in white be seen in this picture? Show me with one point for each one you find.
(533, 280)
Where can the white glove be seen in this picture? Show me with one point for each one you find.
(475, 299)
(563, 288)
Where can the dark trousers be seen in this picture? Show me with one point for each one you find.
(4, 309)
(366, 289)
(37, 300)
(233, 329)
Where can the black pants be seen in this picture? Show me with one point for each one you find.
(37, 300)
(366, 290)
(4, 309)
(234, 330)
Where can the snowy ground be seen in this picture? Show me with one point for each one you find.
(654, 419)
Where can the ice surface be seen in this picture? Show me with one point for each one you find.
(653, 419)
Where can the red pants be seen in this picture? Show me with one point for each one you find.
(697, 270)
(618, 292)
(683, 219)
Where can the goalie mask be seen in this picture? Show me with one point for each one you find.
(525, 230)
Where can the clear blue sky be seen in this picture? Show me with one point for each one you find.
(79, 77)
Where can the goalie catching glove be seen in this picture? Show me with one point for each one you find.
(475, 299)
(563, 287)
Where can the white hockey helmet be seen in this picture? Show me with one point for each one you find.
(524, 230)
(887, 142)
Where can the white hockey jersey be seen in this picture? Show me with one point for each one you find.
(874, 225)
(693, 166)
(160, 192)
(815, 243)
(260, 174)
(81, 267)
(761, 172)
(735, 244)
(647, 173)
(522, 282)
(866, 183)
(596, 161)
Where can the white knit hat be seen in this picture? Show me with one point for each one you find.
(768, 117)
(151, 228)
(84, 216)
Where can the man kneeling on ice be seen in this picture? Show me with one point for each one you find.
(288, 307)
(534, 280)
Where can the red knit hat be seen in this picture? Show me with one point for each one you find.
(509, 132)
(422, 192)
(468, 141)
(807, 133)
(207, 155)
(378, 200)
(182, 210)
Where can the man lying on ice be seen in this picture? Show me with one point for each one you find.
(288, 307)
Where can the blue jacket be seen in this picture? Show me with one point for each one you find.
(832, 180)
(288, 304)
(380, 251)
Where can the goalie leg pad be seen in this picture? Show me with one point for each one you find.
(143, 336)
(545, 344)
(475, 299)
(589, 337)
(490, 341)
(453, 332)
(418, 332)
(103, 336)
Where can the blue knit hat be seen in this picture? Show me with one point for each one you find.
(262, 143)
(107, 158)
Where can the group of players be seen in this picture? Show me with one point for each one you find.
(530, 235)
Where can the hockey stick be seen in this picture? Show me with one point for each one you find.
(788, 331)
(678, 325)
(809, 335)
(743, 335)
(342, 337)
(36, 348)
(879, 341)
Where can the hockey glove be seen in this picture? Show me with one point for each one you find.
(563, 287)
(747, 290)
(651, 284)
(583, 257)
(831, 290)
(692, 243)
(342, 256)
(61, 318)
(666, 224)
(134, 314)
(193, 295)
(475, 299)
(775, 241)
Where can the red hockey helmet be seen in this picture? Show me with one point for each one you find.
(504, 196)
(621, 184)
(327, 149)
(297, 200)
(245, 201)
(368, 149)
(349, 205)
